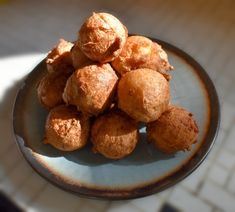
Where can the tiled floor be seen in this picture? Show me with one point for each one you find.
(204, 29)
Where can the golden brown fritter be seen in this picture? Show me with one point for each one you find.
(135, 53)
(91, 88)
(159, 61)
(78, 58)
(51, 88)
(114, 135)
(141, 52)
(143, 94)
(59, 58)
(66, 129)
(102, 37)
(174, 131)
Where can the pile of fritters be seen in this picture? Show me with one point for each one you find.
(105, 84)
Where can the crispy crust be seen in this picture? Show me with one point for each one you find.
(59, 58)
(141, 52)
(78, 58)
(102, 37)
(174, 131)
(91, 88)
(114, 135)
(50, 89)
(143, 94)
(66, 129)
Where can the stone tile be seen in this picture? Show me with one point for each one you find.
(218, 174)
(218, 197)
(6, 132)
(97, 205)
(55, 199)
(231, 183)
(16, 177)
(218, 210)
(164, 194)
(226, 159)
(122, 206)
(227, 115)
(223, 85)
(152, 203)
(85, 208)
(230, 140)
(186, 201)
(229, 67)
(9, 161)
(231, 95)
(193, 181)
(29, 190)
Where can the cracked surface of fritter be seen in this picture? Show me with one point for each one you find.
(175, 130)
(102, 37)
(59, 58)
(114, 135)
(66, 129)
(91, 88)
(51, 88)
(141, 52)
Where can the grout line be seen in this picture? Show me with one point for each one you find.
(28, 176)
(107, 207)
(226, 185)
(8, 172)
(35, 197)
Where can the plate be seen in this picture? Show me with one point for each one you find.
(146, 170)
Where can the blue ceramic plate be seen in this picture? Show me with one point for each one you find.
(146, 170)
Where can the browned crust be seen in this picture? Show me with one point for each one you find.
(66, 129)
(141, 52)
(50, 89)
(174, 131)
(91, 88)
(59, 58)
(114, 135)
(143, 94)
(102, 37)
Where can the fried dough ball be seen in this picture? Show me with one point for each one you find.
(143, 94)
(51, 88)
(91, 88)
(114, 135)
(159, 61)
(174, 131)
(141, 52)
(78, 58)
(102, 37)
(66, 129)
(59, 58)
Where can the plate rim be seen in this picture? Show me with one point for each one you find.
(154, 187)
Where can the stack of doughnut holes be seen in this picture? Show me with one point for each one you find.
(101, 87)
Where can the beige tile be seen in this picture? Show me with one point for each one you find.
(227, 116)
(230, 140)
(186, 201)
(122, 206)
(151, 203)
(231, 183)
(218, 174)
(226, 159)
(55, 199)
(218, 197)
